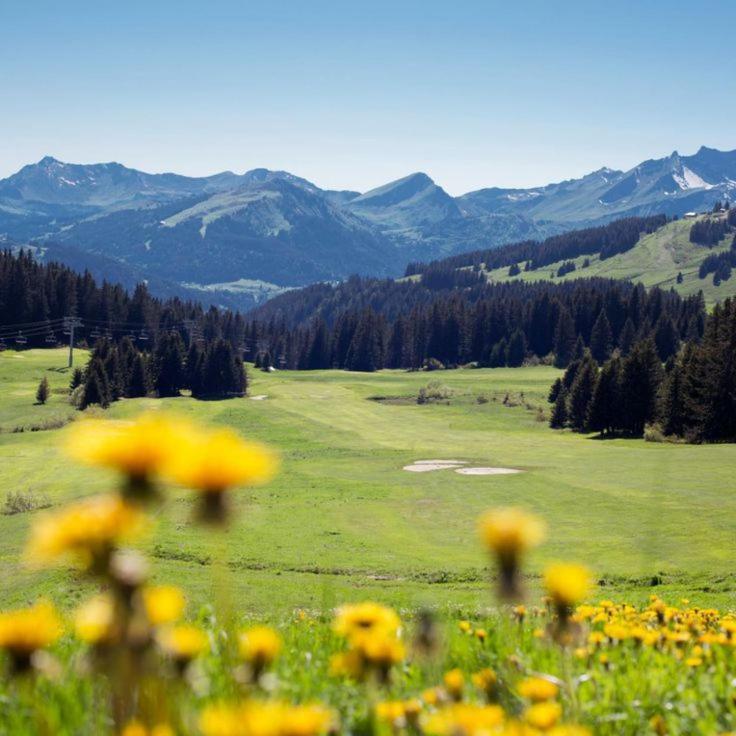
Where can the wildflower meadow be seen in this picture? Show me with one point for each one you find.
(135, 659)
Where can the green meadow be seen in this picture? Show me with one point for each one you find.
(655, 260)
(344, 521)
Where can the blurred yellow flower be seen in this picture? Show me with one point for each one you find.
(25, 630)
(270, 718)
(214, 461)
(567, 583)
(543, 716)
(359, 618)
(463, 719)
(538, 689)
(183, 643)
(138, 449)
(88, 531)
(454, 682)
(164, 604)
(136, 728)
(486, 680)
(511, 531)
(94, 621)
(259, 646)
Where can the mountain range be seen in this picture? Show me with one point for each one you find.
(237, 239)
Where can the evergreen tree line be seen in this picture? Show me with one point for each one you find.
(498, 324)
(690, 395)
(34, 297)
(118, 369)
(606, 240)
(711, 230)
(719, 264)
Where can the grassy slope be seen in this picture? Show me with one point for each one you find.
(343, 520)
(654, 261)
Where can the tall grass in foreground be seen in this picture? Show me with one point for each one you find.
(129, 661)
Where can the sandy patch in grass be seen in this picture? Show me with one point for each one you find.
(487, 471)
(440, 462)
(426, 467)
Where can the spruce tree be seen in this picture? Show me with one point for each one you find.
(627, 337)
(604, 412)
(96, 387)
(138, 380)
(558, 420)
(168, 365)
(601, 338)
(673, 412)
(516, 350)
(581, 393)
(42, 392)
(640, 382)
(565, 338)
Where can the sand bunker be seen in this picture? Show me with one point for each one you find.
(260, 397)
(425, 466)
(487, 471)
(439, 462)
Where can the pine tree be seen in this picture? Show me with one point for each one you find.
(604, 409)
(666, 338)
(565, 338)
(601, 338)
(168, 364)
(138, 380)
(42, 392)
(516, 350)
(96, 387)
(556, 389)
(673, 412)
(581, 393)
(559, 412)
(76, 379)
(640, 382)
(627, 337)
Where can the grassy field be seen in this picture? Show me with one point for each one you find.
(344, 521)
(654, 261)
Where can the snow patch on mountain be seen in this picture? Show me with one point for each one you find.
(690, 180)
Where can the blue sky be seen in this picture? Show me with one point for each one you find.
(351, 95)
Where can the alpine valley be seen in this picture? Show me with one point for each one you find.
(236, 240)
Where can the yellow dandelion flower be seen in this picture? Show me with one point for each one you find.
(138, 449)
(543, 716)
(88, 531)
(511, 531)
(271, 718)
(465, 626)
(26, 630)
(567, 583)
(359, 618)
(463, 719)
(163, 604)
(259, 645)
(486, 680)
(306, 720)
(454, 682)
(94, 621)
(480, 634)
(214, 461)
(391, 712)
(183, 643)
(538, 689)
(136, 728)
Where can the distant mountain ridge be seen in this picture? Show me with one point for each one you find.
(262, 231)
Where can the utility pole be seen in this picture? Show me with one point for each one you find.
(70, 323)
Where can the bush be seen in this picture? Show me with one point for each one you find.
(20, 502)
(432, 392)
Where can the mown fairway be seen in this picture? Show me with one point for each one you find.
(343, 520)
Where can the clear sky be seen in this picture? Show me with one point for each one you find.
(355, 94)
